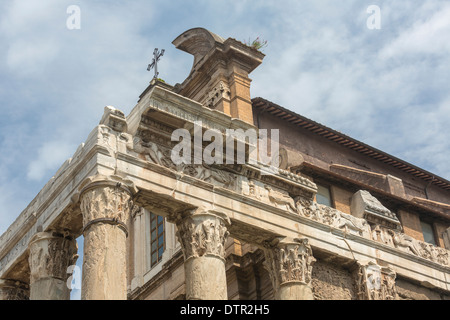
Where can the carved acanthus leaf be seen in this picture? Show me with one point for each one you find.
(289, 262)
(105, 202)
(50, 256)
(200, 236)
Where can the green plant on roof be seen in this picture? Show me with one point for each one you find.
(257, 44)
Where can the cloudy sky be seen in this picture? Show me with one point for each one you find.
(387, 87)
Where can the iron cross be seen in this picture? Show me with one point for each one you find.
(156, 55)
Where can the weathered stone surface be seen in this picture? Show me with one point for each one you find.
(106, 212)
(290, 265)
(14, 290)
(202, 236)
(410, 291)
(331, 282)
(104, 263)
(228, 87)
(366, 206)
(51, 253)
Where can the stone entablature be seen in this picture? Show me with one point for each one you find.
(360, 227)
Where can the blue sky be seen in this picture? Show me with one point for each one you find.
(387, 87)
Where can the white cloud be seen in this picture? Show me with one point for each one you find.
(428, 36)
(50, 155)
(30, 57)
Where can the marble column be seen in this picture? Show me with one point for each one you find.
(289, 263)
(14, 290)
(202, 236)
(105, 206)
(50, 254)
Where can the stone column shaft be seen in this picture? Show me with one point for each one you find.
(290, 265)
(106, 210)
(50, 254)
(14, 290)
(202, 237)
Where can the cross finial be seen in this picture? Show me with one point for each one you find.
(156, 56)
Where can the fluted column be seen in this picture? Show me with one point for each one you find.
(290, 265)
(105, 206)
(14, 290)
(50, 254)
(202, 236)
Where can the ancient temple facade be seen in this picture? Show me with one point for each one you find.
(326, 217)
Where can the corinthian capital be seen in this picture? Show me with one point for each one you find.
(202, 235)
(105, 202)
(289, 262)
(50, 254)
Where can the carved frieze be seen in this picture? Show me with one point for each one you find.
(50, 254)
(333, 217)
(422, 249)
(375, 282)
(380, 233)
(202, 236)
(162, 156)
(289, 262)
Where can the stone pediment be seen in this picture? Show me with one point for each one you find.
(366, 206)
